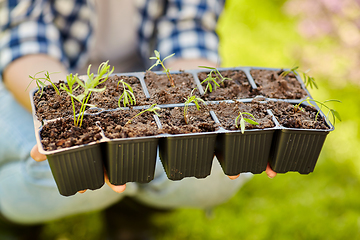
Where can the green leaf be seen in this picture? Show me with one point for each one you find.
(157, 54)
(97, 89)
(42, 84)
(80, 97)
(315, 85)
(294, 70)
(90, 105)
(336, 114)
(210, 87)
(332, 100)
(125, 100)
(245, 113)
(168, 57)
(70, 80)
(63, 87)
(152, 67)
(212, 68)
(88, 70)
(80, 82)
(197, 105)
(251, 121)
(133, 102)
(242, 125)
(128, 86)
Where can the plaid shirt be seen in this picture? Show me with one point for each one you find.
(63, 29)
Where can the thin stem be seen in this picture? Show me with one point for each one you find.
(152, 108)
(80, 112)
(82, 115)
(73, 105)
(167, 74)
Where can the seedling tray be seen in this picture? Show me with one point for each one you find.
(183, 155)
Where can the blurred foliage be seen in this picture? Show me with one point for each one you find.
(321, 205)
(258, 34)
(332, 28)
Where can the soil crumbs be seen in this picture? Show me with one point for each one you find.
(227, 113)
(115, 124)
(62, 133)
(51, 105)
(110, 97)
(161, 92)
(236, 88)
(172, 120)
(271, 85)
(304, 117)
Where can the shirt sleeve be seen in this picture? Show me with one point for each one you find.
(184, 27)
(60, 29)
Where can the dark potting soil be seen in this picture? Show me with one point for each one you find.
(172, 120)
(271, 85)
(161, 92)
(110, 97)
(236, 88)
(304, 117)
(227, 113)
(62, 133)
(114, 124)
(51, 105)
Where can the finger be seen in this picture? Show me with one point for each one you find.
(270, 172)
(234, 177)
(82, 191)
(115, 188)
(36, 155)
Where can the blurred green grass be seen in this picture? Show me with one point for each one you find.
(321, 205)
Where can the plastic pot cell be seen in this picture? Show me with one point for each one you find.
(74, 154)
(298, 142)
(131, 147)
(187, 149)
(249, 151)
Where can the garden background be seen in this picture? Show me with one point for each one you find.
(323, 36)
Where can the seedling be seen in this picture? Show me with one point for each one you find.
(89, 86)
(70, 91)
(335, 115)
(243, 120)
(212, 82)
(161, 62)
(153, 108)
(287, 72)
(308, 80)
(42, 84)
(190, 99)
(127, 96)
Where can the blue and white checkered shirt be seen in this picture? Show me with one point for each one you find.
(63, 29)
